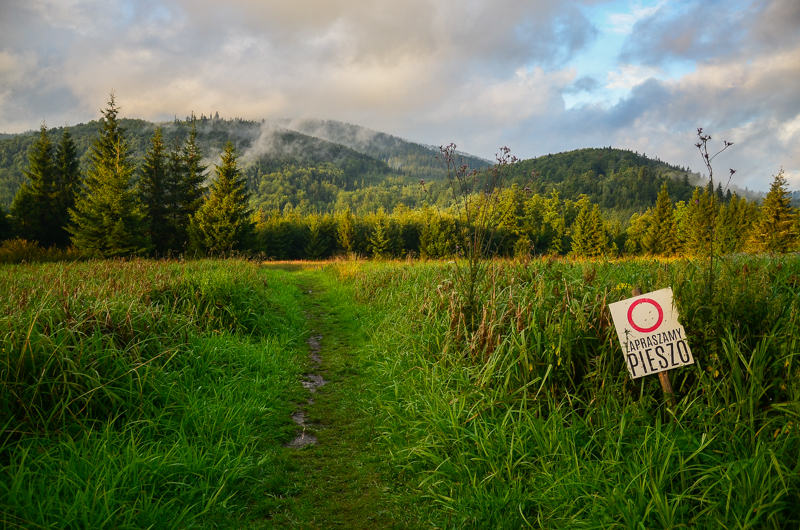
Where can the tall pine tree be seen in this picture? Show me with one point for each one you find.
(191, 189)
(67, 185)
(661, 238)
(108, 219)
(734, 223)
(319, 237)
(589, 235)
(773, 232)
(223, 222)
(700, 222)
(345, 231)
(379, 241)
(155, 194)
(33, 208)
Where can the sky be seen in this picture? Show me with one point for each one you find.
(537, 76)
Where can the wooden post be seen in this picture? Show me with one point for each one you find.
(663, 377)
(666, 386)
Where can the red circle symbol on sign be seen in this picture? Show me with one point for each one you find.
(645, 301)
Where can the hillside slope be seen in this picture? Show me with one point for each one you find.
(613, 178)
(324, 165)
(266, 148)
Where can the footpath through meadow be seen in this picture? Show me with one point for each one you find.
(336, 475)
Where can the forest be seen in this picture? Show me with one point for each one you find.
(199, 186)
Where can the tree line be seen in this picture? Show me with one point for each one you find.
(117, 209)
(164, 207)
(534, 224)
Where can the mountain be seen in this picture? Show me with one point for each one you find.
(613, 178)
(265, 147)
(365, 157)
(407, 158)
(321, 165)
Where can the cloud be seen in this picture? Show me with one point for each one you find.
(623, 23)
(480, 73)
(582, 84)
(630, 75)
(699, 30)
(271, 57)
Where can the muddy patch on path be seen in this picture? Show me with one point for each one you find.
(312, 381)
(304, 438)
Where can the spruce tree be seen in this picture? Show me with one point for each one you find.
(108, 219)
(602, 243)
(551, 235)
(33, 208)
(773, 232)
(188, 192)
(319, 242)
(661, 238)
(637, 232)
(589, 236)
(701, 214)
(438, 237)
(223, 221)
(379, 240)
(274, 235)
(155, 194)
(345, 231)
(26, 214)
(734, 223)
(727, 228)
(67, 185)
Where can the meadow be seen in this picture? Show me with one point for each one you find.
(531, 419)
(144, 394)
(158, 394)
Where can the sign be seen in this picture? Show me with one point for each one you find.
(651, 337)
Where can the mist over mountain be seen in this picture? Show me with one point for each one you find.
(409, 158)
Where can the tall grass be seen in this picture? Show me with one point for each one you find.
(532, 420)
(137, 394)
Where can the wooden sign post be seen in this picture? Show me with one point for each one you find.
(651, 337)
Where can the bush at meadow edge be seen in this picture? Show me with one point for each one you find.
(142, 393)
(533, 420)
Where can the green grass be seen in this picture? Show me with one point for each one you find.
(144, 394)
(339, 483)
(140, 394)
(532, 421)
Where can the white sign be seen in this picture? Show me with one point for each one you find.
(650, 335)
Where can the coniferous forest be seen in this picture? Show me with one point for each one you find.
(205, 185)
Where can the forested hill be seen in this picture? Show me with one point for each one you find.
(212, 136)
(261, 148)
(364, 157)
(318, 165)
(612, 178)
(408, 158)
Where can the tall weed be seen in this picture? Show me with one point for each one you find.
(533, 421)
(140, 394)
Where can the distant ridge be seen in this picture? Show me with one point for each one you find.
(375, 167)
(404, 155)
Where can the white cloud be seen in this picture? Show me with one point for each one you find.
(480, 73)
(623, 23)
(630, 75)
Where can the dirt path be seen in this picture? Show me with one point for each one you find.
(337, 475)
